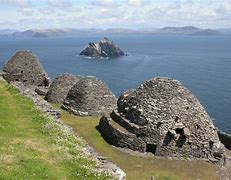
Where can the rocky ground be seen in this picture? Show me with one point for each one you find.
(225, 172)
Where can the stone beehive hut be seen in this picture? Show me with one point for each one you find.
(163, 117)
(60, 87)
(89, 96)
(24, 66)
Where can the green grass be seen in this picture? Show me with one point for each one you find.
(32, 146)
(137, 167)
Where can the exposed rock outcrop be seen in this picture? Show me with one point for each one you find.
(225, 139)
(105, 48)
(89, 96)
(25, 67)
(163, 117)
(60, 87)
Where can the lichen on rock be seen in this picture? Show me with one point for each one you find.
(25, 67)
(89, 96)
(163, 117)
(60, 87)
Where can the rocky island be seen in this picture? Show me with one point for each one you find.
(164, 118)
(161, 116)
(104, 49)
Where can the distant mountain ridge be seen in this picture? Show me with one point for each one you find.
(186, 30)
(208, 32)
(178, 30)
(72, 32)
(7, 31)
(225, 30)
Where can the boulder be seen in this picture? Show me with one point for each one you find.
(25, 67)
(164, 118)
(41, 90)
(60, 87)
(89, 96)
(105, 48)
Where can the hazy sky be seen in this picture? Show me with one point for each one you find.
(28, 14)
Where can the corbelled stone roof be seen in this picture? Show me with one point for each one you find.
(24, 66)
(89, 96)
(163, 117)
(60, 87)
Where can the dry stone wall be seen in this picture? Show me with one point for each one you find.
(89, 96)
(102, 163)
(60, 87)
(25, 67)
(166, 119)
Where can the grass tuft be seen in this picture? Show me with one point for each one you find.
(138, 168)
(33, 146)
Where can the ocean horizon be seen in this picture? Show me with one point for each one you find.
(201, 63)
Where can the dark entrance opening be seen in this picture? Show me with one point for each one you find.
(182, 138)
(210, 144)
(151, 148)
(179, 131)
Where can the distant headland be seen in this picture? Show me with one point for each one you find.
(186, 30)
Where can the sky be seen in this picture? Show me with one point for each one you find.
(134, 14)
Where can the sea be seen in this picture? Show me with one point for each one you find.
(201, 63)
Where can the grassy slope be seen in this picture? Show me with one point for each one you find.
(34, 147)
(137, 167)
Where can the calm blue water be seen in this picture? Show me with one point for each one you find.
(203, 64)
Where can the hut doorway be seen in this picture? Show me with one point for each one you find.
(151, 148)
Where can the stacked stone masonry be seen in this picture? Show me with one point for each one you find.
(89, 96)
(25, 67)
(163, 117)
(60, 87)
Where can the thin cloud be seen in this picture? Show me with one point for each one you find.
(118, 13)
(138, 3)
(17, 3)
(105, 3)
(59, 3)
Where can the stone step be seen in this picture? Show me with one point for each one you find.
(117, 126)
(126, 124)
